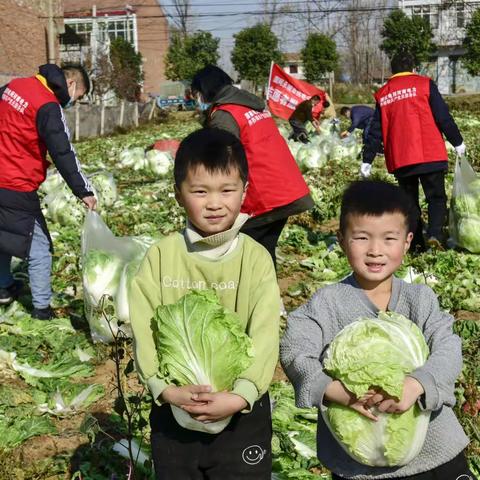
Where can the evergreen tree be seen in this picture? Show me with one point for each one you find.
(471, 42)
(188, 54)
(319, 56)
(413, 36)
(127, 74)
(255, 49)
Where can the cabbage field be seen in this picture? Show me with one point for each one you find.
(73, 409)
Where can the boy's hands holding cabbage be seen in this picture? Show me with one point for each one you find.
(212, 407)
(412, 389)
(201, 404)
(186, 395)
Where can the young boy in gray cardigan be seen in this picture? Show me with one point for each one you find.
(375, 233)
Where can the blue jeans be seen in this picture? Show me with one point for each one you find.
(39, 269)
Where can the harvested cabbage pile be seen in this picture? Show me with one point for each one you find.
(377, 352)
(154, 162)
(323, 147)
(199, 342)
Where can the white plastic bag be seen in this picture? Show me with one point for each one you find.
(105, 260)
(465, 207)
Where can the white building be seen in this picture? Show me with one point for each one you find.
(294, 65)
(448, 19)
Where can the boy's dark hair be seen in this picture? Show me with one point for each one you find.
(79, 73)
(209, 81)
(376, 197)
(216, 150)
(402, 62)
(344, 110)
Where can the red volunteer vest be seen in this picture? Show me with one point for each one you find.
(23, 163)
(274, 179)
(410, 134)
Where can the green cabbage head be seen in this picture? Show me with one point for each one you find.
(468, 229)
(467, 204)
(377, 352)
(200, 342)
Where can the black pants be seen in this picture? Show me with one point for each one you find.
(299, 133)
(240, 452)
(433, 185)
(456, 469)
(267, 235)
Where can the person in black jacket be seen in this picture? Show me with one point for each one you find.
(360, 117)
(32, 123)
(410, 121)
(303, 114)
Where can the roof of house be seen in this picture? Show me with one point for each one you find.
(293, 57)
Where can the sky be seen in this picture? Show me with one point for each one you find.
(224, 18)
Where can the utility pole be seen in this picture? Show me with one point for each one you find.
(51, 33)
(94, 37)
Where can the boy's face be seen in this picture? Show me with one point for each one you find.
(212, 201)
(375, 246)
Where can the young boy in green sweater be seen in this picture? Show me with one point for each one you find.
(210, 183)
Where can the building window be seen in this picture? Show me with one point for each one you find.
(119, 28)
(428, 13)
(293, 68)
(107, 27)
(82, 31)
(460, 11)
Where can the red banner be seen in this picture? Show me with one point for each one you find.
(285, 93)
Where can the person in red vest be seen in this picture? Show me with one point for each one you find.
(32, 123)
(410, 118)
(276, 188)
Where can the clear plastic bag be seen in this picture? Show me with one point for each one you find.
(465, 207)
(106, 259)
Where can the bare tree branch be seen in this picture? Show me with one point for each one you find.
(181, 17)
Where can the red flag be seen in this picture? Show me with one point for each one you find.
(285, 93)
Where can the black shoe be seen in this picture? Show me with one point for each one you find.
(9, 294)
(43, 313)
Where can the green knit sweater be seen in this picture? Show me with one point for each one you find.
(245, 282)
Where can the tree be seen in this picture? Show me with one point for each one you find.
(181, 16)
(471, 42)
(127, 74)
(103, 75)
(255, 49)
(187, 55)
(402, 34)
(319, 56)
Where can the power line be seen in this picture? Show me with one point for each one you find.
(260, 12)
(242, 4)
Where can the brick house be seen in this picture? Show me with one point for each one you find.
(448, 20)
(144, 25)
(23, 36)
